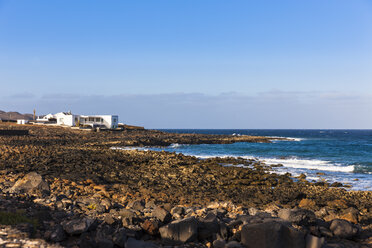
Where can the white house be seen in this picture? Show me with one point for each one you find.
(46, 118)
(71, 120)
(66, 119)
(108, 121)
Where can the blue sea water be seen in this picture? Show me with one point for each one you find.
(342, 155)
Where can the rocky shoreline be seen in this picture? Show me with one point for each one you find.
(67, 188)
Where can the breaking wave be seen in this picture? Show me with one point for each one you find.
(309, 164)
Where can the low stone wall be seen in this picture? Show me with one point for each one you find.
(10, 132)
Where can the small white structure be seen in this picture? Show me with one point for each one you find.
(22, 121)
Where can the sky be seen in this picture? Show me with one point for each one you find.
(191, 63)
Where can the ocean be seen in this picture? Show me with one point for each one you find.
(332, 155)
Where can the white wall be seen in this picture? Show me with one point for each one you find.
(63, 119)
(110, 121)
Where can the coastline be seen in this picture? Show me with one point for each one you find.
(88, 180)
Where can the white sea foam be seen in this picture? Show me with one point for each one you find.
(175, 145)
(221, 156)
(287, 138)
(309, 164)
(210, 156)
(237, 165)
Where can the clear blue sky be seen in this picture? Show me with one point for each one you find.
(191, 63)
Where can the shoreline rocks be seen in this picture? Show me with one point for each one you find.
(70, 189)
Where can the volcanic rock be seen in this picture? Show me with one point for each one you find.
(208, 226)
(297, 216)
(32, 183)
(77, 226)
(271, 235)
(180, 231)
(162, 214)
(343, 229)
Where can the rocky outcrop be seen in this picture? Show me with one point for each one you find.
(32, 183)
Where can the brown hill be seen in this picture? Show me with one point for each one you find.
(14, 115)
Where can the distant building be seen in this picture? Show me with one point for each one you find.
(22, 121)
(46, 118)
(72, 120)
(108, 121)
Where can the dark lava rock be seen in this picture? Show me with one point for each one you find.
(151, 226)
(77, 226)
(105, 243)
(134, 243)
(180, 231)
(136, 205)
(128, 217)
(343, 229)
(177, 210)
(162, 215)
(271, 235)
(208, 226)
(233, 244)
(127, 213)
(297, 216)
(219, 243)
(58, 234)
(223, 231)
(120, 237)
(314, 241)
(336, 184)
(109, 219)
(31, 183)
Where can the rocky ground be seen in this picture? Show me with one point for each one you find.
(67, 188)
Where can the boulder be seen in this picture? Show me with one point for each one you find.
(127, 213)
(162, 214)
(219, 243)
(180, 231)
(151, 226)
(128, 217)
(233, 244)
(343, 229)
(77, 226)
(120, 237)
(314, 241)
(105, 243)
(136, 205)
(223, 231)
(208, 227)
(177, 210)
(351, 214)
(271, 235)
(58, 234)
(297, 216)
(32, 183)
(134, 243)
(307, 203)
